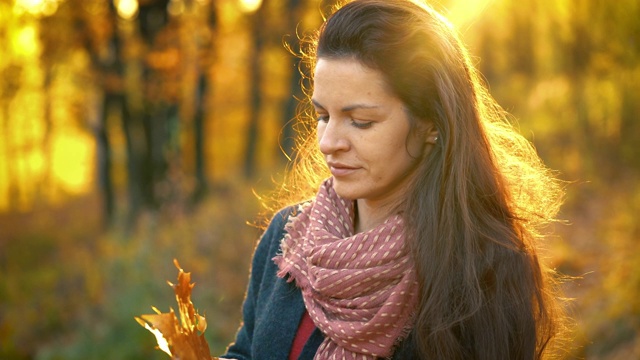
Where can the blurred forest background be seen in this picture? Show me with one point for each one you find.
(133, 132)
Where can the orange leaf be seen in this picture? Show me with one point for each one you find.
(182, 339)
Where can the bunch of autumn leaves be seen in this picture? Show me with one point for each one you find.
(182, 339)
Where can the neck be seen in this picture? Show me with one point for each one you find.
(369, 215)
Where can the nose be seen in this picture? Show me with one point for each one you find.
(332, 137)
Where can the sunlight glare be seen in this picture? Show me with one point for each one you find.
(37, 7)
(162, 342)
(26, 43)
(30, 4)
(73, 161)
(250, 5)
(176, 7)
(127, 9)
(463, 13)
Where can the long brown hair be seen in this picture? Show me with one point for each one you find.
(479, 199)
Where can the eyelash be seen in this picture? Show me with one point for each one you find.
(365, 125)
(323, 118)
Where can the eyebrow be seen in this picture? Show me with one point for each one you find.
(349, 107)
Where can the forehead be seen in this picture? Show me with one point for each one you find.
(347, 67)
(348, 79)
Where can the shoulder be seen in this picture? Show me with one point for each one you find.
(270, 240)
(280, 219)
(407, 349)
(282, 216)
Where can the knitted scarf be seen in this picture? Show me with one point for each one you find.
(359, 289)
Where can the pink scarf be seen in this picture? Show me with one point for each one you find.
(361, 289)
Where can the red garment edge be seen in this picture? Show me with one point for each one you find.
(305, 329)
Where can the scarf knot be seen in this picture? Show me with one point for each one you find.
(359, 289)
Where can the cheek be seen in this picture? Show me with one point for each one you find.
(416, 147)
(384, 155)
(319, 132)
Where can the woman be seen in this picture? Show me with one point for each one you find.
(420, 244)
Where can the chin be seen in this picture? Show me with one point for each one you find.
(344, 192)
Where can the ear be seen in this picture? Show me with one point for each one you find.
(431, 134)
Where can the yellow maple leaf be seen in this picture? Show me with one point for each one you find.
(182, 339)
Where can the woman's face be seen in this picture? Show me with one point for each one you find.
(363, 132)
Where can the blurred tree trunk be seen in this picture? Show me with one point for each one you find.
(45, 180)
(156, 110)
(630, 127)
(6, 149)
(198, 28)
(107, 61)
(199, 143)
(118, 95)
(521, 37)
(10, 79)
(206, 56)
(138, 193)
(255, 85)
(578, 55)
(105, 162)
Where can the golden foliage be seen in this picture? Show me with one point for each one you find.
(185, 339)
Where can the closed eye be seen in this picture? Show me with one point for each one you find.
(361, 124)
(322, 118)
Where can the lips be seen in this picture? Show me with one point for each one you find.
(340, 170)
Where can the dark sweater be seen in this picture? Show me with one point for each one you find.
(273, 307)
